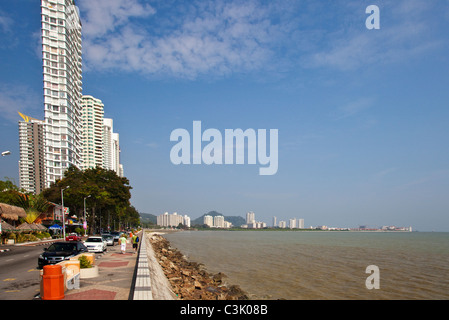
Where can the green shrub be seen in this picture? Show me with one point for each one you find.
(84, 262)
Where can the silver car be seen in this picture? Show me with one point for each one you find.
(108, 238)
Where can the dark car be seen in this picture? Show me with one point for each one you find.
(60, 251)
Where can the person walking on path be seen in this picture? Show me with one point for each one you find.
(122, 241)
(135, 240)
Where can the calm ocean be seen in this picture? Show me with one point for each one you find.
(299, 265)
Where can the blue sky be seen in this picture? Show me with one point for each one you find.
(362, 114)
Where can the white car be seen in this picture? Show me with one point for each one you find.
(95, 244)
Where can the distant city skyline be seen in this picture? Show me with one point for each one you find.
(361, 114)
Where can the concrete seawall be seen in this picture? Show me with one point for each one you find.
(151, 282)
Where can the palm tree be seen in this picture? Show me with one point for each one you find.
(33, 205)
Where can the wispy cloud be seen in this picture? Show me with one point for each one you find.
(407, 31)
(5, 22)
(381, 174)
(220, 37)
(431, 177)
(104, 16)
(353, 108)
(214, 37)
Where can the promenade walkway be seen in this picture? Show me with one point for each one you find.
(121, 276)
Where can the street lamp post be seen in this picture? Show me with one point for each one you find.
(85, 223)
(63, 213)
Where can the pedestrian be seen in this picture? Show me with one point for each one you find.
(122, 243)
(135, 242)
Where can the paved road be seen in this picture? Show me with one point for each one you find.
(19, 276)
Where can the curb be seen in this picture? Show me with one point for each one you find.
(142, 284)
(36, 243)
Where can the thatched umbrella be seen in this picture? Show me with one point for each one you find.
(40, 227)
(9, 212)
(7, 227)
(34, 226)
(25, 227)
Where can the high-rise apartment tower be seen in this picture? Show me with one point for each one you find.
(92, 132)
(62, 72)
(111, 148)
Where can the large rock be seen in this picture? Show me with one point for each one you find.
(189, 280)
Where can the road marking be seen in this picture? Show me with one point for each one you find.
(31, 270)
(10, 279)
(12, 291)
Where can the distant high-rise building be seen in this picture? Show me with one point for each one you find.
(32, 163)
(170, 220)
(187, 221)
(250, 217)
(111, 148)
(62, 73)
(275, 222)
(301, 223)
(92, 119)
(219, 222)
(208, 220)
(292, 223)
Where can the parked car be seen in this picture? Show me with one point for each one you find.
(95, 244)
(73, 237)
(60, 251)
(108, 238)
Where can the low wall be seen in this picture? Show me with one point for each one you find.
(151, 282)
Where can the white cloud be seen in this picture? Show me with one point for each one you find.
(5, 22)
(103, 16)
(220, 37)
(216, 37)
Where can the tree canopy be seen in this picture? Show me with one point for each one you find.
(106, 194)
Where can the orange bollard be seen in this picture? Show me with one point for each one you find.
(53, 283)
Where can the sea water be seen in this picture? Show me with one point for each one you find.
(302, 265)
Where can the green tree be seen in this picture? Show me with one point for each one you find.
(8, 191)
(108, 196)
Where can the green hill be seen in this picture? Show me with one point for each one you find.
(148, 218)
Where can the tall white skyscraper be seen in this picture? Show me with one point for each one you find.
(92, 119)
(62, 70)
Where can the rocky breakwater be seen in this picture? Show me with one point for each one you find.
(189, 280)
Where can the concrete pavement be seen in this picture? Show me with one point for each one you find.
(117, 275)
(129, 276)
